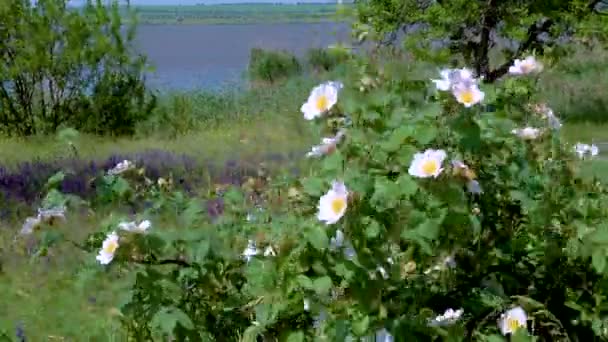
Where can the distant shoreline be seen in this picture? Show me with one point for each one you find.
(242, 13)
(226, 22)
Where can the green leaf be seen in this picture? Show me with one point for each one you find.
(429, 229)
(198, 251)
(50, 237)
(191, 214)
(600, 236)
(386, 195)
(297, 336)
(334, 163)
(120, 186)
(313, 186)
(495, 338)
(342, 270)
(521, 335)
(322, 285)
(304, 281)
(234, 196)
(431, 110)
(373, 230)
(317, 237)
(55, 180)
(53, 198)
(407, 185)
(360, 326)
(167, 318)
(425, 133)
(598, 259)
(397, 138)
(265, 314)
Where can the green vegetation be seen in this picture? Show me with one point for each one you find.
(272, 66)
(541, 209)
(474, 32)
(79, 74)
(242, 13)
(327, 59)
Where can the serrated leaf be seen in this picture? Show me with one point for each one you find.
(431, 110)
(600, 236)
(317, 237)
(429, 229)
(397, 138)
(166, 319)
(407, 185)
(334, 162)
(198, 251)
(373, 230)
(191, 214)
(598, 260)
(322, 285)
(304, 281)
(55, 180)
(313, 186)
(425, 134)
(495, 338)
(120, 186)
(342, 270)
(360, 326)
(233, 196)
(297, 336)
(385, 196)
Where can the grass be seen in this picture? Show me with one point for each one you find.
(232, 141)
(59, 297)
(241, 13)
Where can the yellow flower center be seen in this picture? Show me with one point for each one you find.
(430, 167)
(467, 96)
(337, 205)
(111, 247)
(321, 103)
(513, 324)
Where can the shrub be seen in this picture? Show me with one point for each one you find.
(437, 200)
(272, 66)
(65, 67)
(326, 59)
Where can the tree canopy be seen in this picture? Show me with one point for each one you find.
(473, 28)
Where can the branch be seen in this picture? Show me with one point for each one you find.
(533, 32)
(177, 262)
(489, 22)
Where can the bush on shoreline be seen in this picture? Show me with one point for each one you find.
(69, 68)
(272, 66)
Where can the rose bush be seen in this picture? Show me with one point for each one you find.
(445, 210)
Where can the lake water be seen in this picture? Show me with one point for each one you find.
(211, 56)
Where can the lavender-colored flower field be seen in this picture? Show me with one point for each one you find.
(22, 186)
